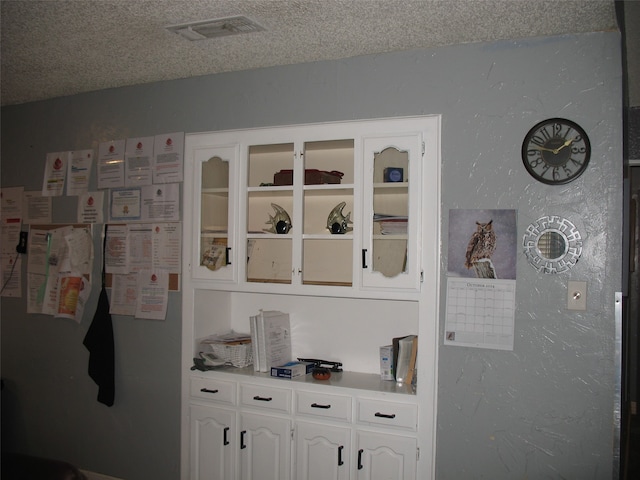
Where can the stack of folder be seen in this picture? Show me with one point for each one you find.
(270, 339)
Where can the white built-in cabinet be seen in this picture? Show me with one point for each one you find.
(336, 224)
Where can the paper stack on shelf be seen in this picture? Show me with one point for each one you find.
(271, 339)
(391, 224)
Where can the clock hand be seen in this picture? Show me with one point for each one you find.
(538, 147)
(565, 144)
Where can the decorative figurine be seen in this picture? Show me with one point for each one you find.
(280, 222)
(337, 223)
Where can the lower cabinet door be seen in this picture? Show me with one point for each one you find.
(265, 447)
(213, 443)
(385, 456)
(322, 452)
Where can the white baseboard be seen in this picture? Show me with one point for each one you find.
(98, 476)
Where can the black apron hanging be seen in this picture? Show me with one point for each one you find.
(99, 342)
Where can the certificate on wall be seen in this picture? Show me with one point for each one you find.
(168, 157)
(124, 204)
(153, 293)
(138, 157)
(55, 174)
(37, 208)
(79, 170)
(111, 164)
(161, 203)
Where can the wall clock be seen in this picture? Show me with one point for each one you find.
(556, 151)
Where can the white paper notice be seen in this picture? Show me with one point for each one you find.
(140, 247)
(153, 294)
(91, 207)
(55, 174)
(111, 164)
(116, 252)
(161, 203)
(10, 235)
(168, 158)
(11, 274)
(125, 204)
(11, 206)
(37, 208)
(167, 245)
(138, 158)
(124, 294)
(80, 165)
(79, 257)
(36, 286)
(480, 313)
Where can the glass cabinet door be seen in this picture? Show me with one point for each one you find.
(328, 204)
(214, 207)
(390, 254)
(270, 213)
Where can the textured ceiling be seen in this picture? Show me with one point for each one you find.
(63, 47)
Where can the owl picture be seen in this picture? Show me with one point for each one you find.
(482, 244)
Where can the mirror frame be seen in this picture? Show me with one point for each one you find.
(552, 224)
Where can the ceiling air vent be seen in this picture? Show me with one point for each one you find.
(219, 27)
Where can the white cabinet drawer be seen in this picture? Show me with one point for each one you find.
(214, 390)
(388, 414)
(315, 404)
(276, 399)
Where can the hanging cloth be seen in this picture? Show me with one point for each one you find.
(99, 342)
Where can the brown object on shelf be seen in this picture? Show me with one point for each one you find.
(321, 373)
(311, 177)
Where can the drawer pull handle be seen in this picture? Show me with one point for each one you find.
(340, 461)
(242, 444)
(208, 390)
(262, 399)
(360, 459)
(385, 415)
(317, 405)
(364, 258)
(225, 439)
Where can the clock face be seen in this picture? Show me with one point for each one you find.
(556, 151)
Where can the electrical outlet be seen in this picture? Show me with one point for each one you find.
(576, 295)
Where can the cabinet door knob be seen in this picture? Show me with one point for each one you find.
(208, 390)
(262, 399)
(385, 415)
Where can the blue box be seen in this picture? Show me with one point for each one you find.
(393, 174)
(292, 369)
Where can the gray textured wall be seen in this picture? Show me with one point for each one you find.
(541, 411)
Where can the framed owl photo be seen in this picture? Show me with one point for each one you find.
(482, 244)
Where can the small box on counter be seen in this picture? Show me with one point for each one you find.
(292, 369)
(386, 363)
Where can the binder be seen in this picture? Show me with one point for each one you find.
(273, 339)
(405, 348)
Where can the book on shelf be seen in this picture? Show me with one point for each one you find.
(271, 339)
(405, 352)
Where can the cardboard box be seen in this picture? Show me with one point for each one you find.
(386, 363)
(292, 369)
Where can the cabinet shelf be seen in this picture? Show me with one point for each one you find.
(345, 379)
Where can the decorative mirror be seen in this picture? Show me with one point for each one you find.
(552, 244)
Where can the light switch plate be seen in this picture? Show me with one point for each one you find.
(576, 295)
